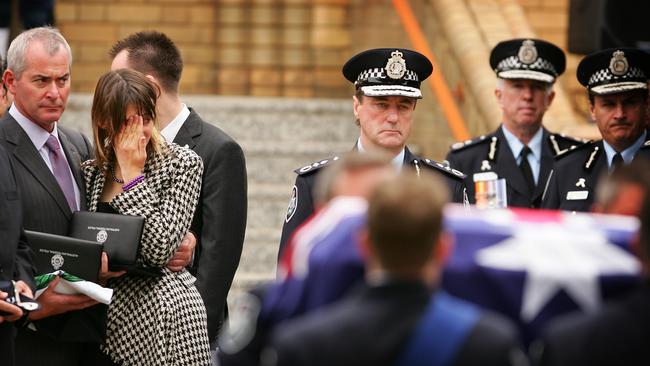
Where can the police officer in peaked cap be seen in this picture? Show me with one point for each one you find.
(520, 150)
(387, 82)
(617, 82)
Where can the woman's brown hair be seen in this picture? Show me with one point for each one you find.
(115, 91)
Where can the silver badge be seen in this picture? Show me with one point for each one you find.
(293, 204)
(485, 165)
(396, 66)
(102, 235)
(581, 183)
(527, 52)
(618, 64)
(56, 261)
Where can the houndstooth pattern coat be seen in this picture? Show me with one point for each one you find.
(156, 321)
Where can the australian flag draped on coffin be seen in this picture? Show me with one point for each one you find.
(532, 265)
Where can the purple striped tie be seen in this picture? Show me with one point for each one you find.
(61, 171)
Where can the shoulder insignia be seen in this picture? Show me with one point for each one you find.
(561, 143)
(574, 148)
(461, 145)
(315, 166)
(445, 168)
(293, 204)
(592, 158)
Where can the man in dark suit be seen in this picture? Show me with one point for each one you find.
(47, 170)
(617, 82)
(220, 219)
(388, 321)
(618, 333)
(15, 257)
(526, 71)
(387, 82)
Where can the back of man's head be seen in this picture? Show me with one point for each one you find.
(405, 220)
(623, 191)
(353, 175)
(155, 54)
(51, 39)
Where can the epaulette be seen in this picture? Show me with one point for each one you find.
(462, 145)
(572, 142)
(444, 168)
(567, 152)
(315, 166)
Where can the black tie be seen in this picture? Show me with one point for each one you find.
(617, 161)
(525, 169)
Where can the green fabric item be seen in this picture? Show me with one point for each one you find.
(42, 281)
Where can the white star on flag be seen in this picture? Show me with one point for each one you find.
(558, 256)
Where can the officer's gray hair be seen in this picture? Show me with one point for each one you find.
(51, 39)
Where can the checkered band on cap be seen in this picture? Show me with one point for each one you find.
(380, 73)
(513, 63)
(605, 75)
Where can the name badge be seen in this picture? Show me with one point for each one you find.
(577, 195)
(486, 176)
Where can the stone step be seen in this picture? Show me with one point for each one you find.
(269, 119)
(260, 251)
(268, 162)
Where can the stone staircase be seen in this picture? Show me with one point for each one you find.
(278, 135)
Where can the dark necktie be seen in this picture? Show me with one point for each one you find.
(617, 161)
(61, 171)
(526, 171)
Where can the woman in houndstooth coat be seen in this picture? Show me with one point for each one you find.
(157, 320)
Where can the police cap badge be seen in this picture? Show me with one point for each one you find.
(615, 70)
(533, 59)
(388, 72)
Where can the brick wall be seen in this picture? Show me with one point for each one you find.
(231, 47)
(550, 20)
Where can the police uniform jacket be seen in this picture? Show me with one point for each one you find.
(301, 205)
(572, 184)
(373, 326)
(616, 335)
(491, 153)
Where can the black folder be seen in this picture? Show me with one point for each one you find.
(120, 234)
(78, 257)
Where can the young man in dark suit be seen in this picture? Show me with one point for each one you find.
(220, 218)
(404, 249)
(15, 258)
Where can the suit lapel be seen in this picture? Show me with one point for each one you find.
(74, 160)
(27, 155)
(506, 159)
(190, 129)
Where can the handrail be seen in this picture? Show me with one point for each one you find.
(438, 84)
